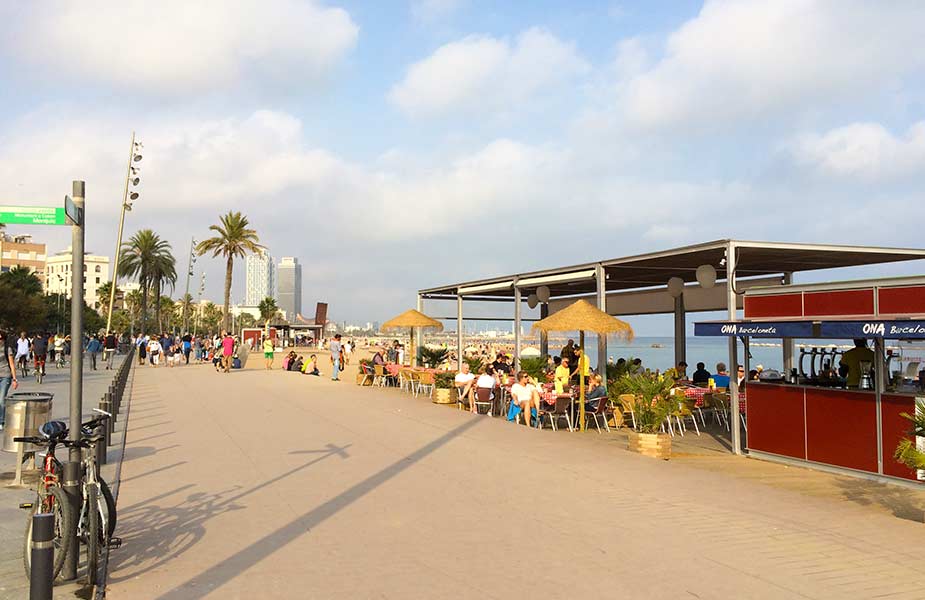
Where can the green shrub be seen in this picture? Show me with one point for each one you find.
(535, 366)
(445, 380)
(432, 356)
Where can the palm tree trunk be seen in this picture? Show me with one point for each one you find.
(157, 306)
(229, 267)
(144, 304)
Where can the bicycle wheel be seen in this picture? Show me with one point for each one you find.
(38, 375)
(57, 503)
(110, 505)
(94, 535)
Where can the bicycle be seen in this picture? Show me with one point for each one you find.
(39, 368)
(22, 362)
(50, 496)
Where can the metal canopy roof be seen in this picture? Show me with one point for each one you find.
(655, 269)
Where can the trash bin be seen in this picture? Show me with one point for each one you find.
(26, 412)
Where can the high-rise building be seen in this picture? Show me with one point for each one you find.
(58, 275)
(260, 279)
(290, 286)
(21, 251)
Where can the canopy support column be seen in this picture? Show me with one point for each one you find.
(517, 307)
(731, 303)
(680, 333)
(601, 278)
(459, 333)
(787, 343)
(419, 332)
(544, 337)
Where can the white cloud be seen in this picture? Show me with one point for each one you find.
(482, 74)
(180, 47)
(428, 11)
(866, 151)
(745, 59)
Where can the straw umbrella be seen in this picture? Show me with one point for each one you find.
(412, 319)
(584, 316)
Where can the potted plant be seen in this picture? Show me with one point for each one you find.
(444, 383)
(363, 378)
(535, 367)
(432, 357)
(907, 452)
(654, 402)
(474, 362)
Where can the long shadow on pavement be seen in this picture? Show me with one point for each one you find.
(153, 535)
(218, 575)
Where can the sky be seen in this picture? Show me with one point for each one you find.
(394, 146)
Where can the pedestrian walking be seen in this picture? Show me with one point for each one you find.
(93, 349)
(268, 352)
(8, 378)
(336, 357)
(187, 347)
(109, 349)
(227, 351)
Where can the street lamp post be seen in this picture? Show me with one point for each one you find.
(189, 273)
(133, 156)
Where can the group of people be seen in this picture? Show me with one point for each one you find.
(172, 350)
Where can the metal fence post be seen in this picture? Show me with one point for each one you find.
(41, 577)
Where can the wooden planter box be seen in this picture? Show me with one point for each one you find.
(361, 377)
(444, 396)
(656, 445)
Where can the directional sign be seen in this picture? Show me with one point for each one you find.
(32, 215)
(73, 213)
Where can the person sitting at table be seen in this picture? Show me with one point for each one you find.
(701, 375)
(487, 379)
(501, 366)
(596, 391)
(525, 395)
(740, 375)
(562, 375)
(311, 366)
(681, 371)
(637, 366)
(465, 385)
(378, 359)
(721, 379)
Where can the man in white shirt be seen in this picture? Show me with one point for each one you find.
(464, 385)
(525, 395)
(22, 353)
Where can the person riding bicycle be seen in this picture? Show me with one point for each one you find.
(40, 351)
(59, 349)
(22, 353)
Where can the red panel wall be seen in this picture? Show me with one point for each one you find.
(841, 428)
(895, 428)
(901, 300)
(846, 302)
(774, 414)
(777, 305)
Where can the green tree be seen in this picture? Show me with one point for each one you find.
(246, 320)
(20, 310)
(145, 257)
(22, 279)
(163, 274)
(234, 239)
(268, 310)
(211, 318)
(102, 293)
(185, 306)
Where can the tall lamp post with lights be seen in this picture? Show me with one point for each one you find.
(189, 273)
(131, 177)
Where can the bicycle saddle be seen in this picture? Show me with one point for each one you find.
(53, 429)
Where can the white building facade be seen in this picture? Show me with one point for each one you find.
(260, 279)
(58, 275)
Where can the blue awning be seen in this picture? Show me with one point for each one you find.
(896, 330)
(774, 329)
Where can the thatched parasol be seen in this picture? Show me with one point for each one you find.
(412, 319)
(583, 316)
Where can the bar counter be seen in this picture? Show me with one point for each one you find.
(831, 426)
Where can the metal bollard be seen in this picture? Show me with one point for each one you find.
(106, 404)
(41, 578)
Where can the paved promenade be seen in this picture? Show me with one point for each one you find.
(277, 485)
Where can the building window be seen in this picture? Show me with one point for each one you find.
(97, 281)
(98, 269)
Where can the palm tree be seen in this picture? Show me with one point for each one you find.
(234, 239)
(268, 310)
(144, 257)
(185, 305)
(167, 308)
(22, 279)
(102, 292)
(163, 273)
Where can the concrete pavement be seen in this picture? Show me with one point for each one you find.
(270, 484)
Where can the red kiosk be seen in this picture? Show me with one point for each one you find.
(814, 417)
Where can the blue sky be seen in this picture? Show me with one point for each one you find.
(399, 145)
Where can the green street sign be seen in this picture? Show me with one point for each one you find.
(32, 215)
